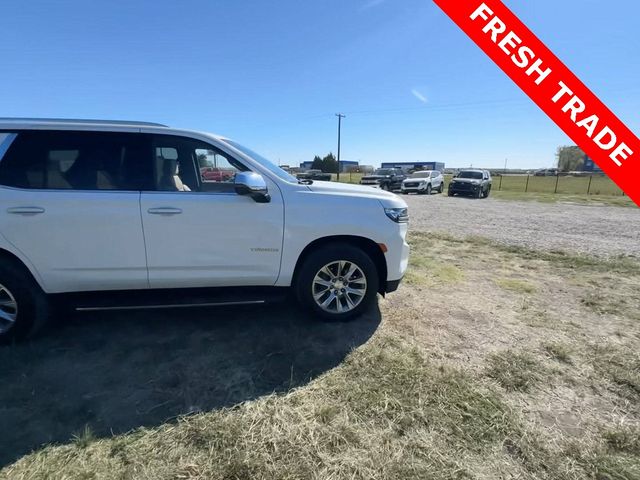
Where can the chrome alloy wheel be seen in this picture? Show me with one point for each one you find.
(8, 309)
(339, 286)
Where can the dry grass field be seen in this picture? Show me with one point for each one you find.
(491, 361)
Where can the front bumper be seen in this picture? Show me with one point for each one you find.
(392, 285)
(419, 188)
(464, 189)
(397, 257)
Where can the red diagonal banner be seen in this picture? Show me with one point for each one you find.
(552, 86)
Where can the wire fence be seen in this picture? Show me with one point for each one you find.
(560, 184)
(588, 185)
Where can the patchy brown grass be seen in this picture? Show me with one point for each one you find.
(467, 377)
(558, 351)
(514, 371)
(518, 286)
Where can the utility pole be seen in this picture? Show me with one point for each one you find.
(340, 117)
(505, 165)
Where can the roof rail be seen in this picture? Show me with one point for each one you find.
(80, 121)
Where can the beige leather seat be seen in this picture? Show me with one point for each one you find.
(170, 179)
(179, 185)
(55, 177)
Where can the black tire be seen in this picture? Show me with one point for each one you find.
(385, 186)
(428, 191)
(480, 193)
(304, 279)
(450, 193)
(32, 304)
(441, 189)
(486, 195)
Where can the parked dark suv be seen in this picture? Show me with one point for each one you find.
(386, 178)
(474, 183)
(314, 175)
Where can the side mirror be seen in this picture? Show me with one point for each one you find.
(253, 185)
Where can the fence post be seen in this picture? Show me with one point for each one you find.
(589, 187)
(557, 178)
(500, 186)
(526, 187)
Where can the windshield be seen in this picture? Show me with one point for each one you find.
(384, 171)
(474, 175)
(265, 162)
(421, 175)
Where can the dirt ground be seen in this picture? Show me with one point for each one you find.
(594, 229)
(564, 326)
(493, 360)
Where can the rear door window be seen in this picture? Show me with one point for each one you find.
(68, 160)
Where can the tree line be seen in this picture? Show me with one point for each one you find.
(328, 164)
(570, 158)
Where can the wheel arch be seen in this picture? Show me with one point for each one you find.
(371, 248)
(11, 257)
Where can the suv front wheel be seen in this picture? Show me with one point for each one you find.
(337, 282)
(23, 305)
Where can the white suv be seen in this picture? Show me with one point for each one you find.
(423, 182)
(126, 215)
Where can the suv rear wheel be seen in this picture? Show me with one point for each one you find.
(337, 282)
(23, 305)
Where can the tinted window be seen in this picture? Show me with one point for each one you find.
(470, 174)
(77, 161)
(185, 165)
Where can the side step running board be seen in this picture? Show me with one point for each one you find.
(176, 305)
(171, 298)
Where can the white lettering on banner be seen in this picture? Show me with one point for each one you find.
(525, 58)
(606, 139)
(521, 56)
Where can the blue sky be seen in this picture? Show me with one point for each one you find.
(272, 74)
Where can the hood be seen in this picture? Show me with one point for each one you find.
(376, 177)
(466, 180)
(415, 180)
(386, 198)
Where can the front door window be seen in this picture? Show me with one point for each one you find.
(186, 165)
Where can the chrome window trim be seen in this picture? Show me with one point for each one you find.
(66, 190)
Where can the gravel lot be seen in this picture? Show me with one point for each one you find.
(596, 230)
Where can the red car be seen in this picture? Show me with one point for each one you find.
(214, 174)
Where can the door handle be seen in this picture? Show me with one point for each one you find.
(165, 211)
(25, 210)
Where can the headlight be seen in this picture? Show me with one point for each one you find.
(398, 215)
